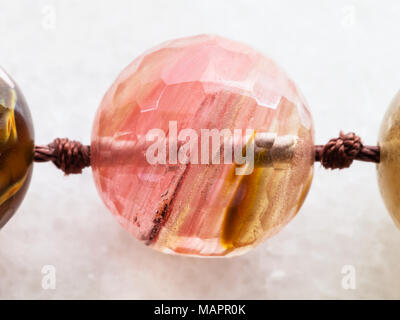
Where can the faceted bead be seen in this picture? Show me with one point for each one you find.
(388, 170)
(202, 209)
(16, 147)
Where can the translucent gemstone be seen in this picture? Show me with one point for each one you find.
(388, 169)
(16, 147)
(205, 209)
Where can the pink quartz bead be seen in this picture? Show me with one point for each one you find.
(202, 82)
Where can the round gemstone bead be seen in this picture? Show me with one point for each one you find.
(197, 207)
(16, 147)
(388, 170)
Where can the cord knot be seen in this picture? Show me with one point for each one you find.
(68, 155)
(340, 152)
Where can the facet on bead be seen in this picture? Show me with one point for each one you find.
(16, 147)
(388, 169)
(203, 82)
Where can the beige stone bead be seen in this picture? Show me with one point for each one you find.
(388, 170)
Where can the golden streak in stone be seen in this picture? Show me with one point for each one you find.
(8, 136)
(8, 99)
(9, 191)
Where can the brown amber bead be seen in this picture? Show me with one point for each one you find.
(16, 147)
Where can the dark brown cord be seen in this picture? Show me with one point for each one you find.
(340, 152)
(69, 156)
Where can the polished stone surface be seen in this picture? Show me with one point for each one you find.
(203, 82)
(16, 147)
(388, 170)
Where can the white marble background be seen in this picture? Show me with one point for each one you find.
(343, 54)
